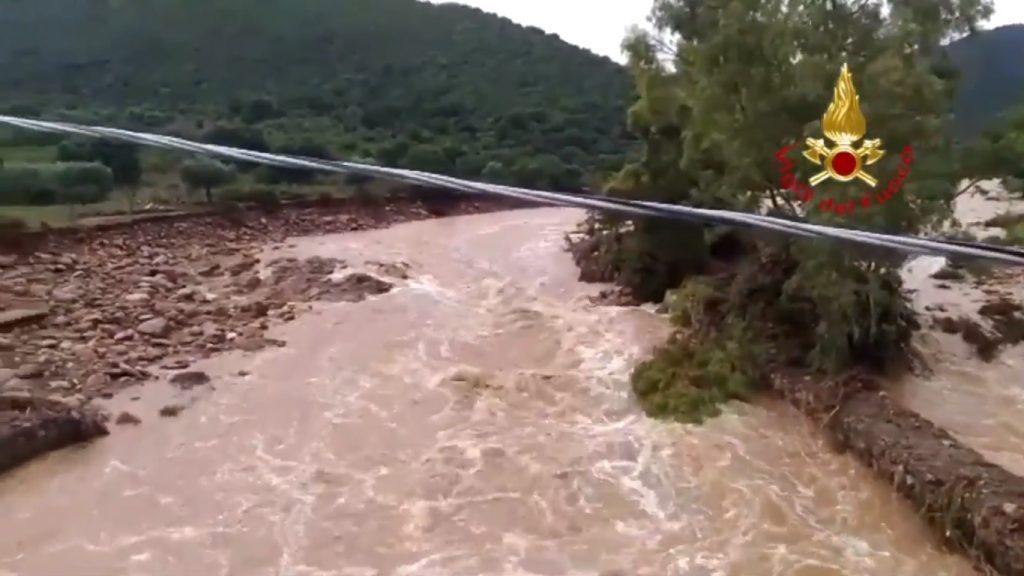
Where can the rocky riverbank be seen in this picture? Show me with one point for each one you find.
(975, 506)
(85, 313)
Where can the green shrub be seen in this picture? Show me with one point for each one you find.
(48, 184)
(122, 159)
(83, 182)
(206, 174)
(10, 224)
(27, 184)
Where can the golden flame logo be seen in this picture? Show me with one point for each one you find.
(843, 124)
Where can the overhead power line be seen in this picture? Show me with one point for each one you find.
(634, 208)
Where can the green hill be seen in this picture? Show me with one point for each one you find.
(444, 88)
(437, 87)
(991, 65)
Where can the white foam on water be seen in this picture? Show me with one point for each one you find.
(476, 420)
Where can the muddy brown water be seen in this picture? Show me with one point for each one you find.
(475, 421)
(981, 403)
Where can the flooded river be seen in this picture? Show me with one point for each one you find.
(981, 403)
(475, 421)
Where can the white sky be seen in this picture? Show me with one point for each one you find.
(600, 25)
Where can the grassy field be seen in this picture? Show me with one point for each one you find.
(162, 188)
(28, 154)
(164, 191)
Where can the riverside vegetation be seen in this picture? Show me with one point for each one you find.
(717, 88)
(724, 84)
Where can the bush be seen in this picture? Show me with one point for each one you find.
(83, 182)
(122, 159)
(306, 148)
(259, 110)
(237, 137)
(48, 184)
(10, 224)
(27, 184)
(148, 117)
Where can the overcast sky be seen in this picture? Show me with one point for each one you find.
(600, 25)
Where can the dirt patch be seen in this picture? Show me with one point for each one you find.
(315, 279)
(949, 273)
(984, 342)
(190, 379)
(395, 270)
(1007, 318)
(31, 427)
(354, 287)
(171, 410)
(127, 419)
(999, 323)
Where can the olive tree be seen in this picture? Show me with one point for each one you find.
(206, 175)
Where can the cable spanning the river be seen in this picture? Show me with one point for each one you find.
(907, 244)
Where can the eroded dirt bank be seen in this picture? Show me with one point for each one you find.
(975, 505)
(86, 313)
(476, 419)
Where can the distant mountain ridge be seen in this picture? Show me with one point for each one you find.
(440, 87)
(991, 65)
(377, 70)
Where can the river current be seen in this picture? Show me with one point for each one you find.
(477, 420)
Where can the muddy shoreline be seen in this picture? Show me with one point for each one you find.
(90, 311)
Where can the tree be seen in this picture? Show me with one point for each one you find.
(75, 150)
(995, 154)
(722, 85)
(121, 158)
(496, 173)
(259, 109)
(83, 183)
(549, 172)
(470, 165)
(392, 152)
(426, 158)
(307, 148)
(237, 137)
(205, 174)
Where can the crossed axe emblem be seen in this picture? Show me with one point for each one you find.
(843, 162)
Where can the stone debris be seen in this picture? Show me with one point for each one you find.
(89, 312)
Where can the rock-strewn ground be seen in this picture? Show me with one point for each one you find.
(122, 304)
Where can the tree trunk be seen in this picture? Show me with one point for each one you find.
(974, 505)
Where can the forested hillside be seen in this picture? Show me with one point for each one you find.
(991, 76)
(442, 88)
